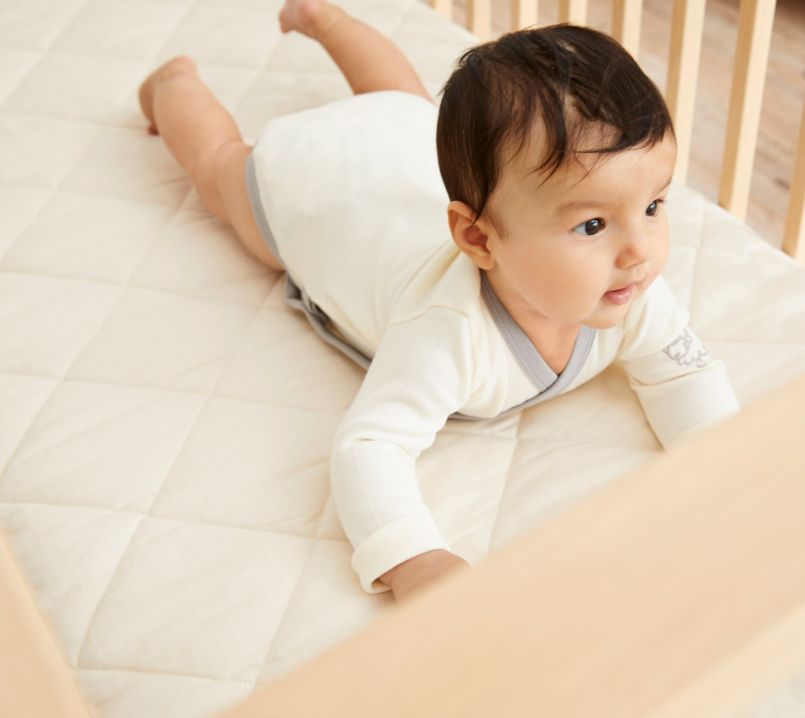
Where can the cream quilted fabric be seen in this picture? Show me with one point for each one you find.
(165, 419)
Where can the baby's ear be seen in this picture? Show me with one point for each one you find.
(472, 239)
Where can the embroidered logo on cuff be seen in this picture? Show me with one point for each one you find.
(687, 350)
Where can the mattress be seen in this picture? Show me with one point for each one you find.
(166, 417)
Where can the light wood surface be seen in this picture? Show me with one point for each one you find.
(479, 17)
(749, 76)
(794, 232)
(443, 7)
(687, 26)
(574, 11)
(626, 15)
(675, 591)
(524, 13)
(783, 93)
(34, 679)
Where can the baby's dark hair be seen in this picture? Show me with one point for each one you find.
(568, 77)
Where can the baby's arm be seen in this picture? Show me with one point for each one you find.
(681, 387)
(420, 374)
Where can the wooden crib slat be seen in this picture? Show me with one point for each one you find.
(524, 13)
(626, 23)
(479, 17)
(683, 70)
(35, 679)
(443, 7)
(574, 11)
(749, 74)
(794, 233)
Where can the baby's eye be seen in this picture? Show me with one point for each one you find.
(590, 227)
(654, 207)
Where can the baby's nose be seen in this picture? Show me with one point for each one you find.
(636, 249)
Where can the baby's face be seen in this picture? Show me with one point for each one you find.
(575, 239)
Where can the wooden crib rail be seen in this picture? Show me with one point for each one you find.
(751, 57)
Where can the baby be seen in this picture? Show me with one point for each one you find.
(551, 155)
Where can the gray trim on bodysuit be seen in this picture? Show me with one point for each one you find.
(295, 296)
(546, 381)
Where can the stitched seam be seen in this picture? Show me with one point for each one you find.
(157, 495)
(125, 669)
(187, 294)
(178, 519)
(129, 385)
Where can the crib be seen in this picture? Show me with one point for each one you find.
(169, 543)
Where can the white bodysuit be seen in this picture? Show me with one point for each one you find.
(349, 197)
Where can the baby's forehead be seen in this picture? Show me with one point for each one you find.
(530, 159)
(589, 159)
(588, 177)
(580, 170)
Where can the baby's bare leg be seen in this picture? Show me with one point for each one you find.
(204, 139)
(369, 60)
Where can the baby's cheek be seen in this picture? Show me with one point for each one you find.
(572, 292)
(663, 237)
(661, 254)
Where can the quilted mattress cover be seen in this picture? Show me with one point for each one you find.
(166, 418)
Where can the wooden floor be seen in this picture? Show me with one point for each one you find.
(782, 102)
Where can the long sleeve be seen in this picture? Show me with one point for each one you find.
(680, 386)
(420, 374)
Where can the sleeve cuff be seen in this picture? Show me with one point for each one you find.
(702, 426)
(689, 403)
(383, 550)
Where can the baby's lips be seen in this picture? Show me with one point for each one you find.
(622, 295)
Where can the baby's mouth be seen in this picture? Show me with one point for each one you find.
(621, 295)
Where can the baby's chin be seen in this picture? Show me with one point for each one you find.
(601, 324)
(608, 315)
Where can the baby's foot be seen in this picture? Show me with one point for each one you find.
(176, 66)
(310, 17)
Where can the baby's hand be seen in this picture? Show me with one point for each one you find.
(410, 576)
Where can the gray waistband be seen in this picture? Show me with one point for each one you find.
(258, 211)
(295, 295)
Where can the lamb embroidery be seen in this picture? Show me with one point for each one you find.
(685, 350)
